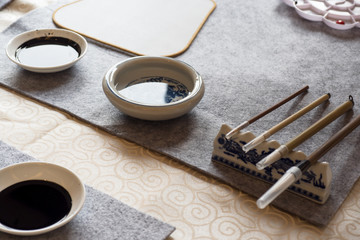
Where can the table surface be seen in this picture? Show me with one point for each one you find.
(198, 206)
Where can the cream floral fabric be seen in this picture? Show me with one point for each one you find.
(198, 206)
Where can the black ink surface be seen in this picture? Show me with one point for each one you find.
(33, 204)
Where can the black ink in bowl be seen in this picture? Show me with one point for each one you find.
(33, 204)
(48, 52)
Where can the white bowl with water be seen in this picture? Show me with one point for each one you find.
(153, 88)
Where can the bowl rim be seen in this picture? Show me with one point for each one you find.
(46, 31)
(63, 221)
(198, 81)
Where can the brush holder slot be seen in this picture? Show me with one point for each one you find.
(314, 183)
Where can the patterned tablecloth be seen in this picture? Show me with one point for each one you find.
(198, 206)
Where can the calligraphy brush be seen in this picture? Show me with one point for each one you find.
(313, 129)
(294, 173)
(262, 137)
(260, 115)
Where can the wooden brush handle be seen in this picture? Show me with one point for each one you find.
(335, 139)
(260, 115)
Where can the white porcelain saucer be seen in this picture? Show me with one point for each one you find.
(15, 43)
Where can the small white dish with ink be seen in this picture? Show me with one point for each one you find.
(46, 50)
(153, 88)
(38, 197)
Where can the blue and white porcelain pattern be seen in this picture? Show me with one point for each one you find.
(314, 183)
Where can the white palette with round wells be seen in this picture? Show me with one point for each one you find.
(337, 14)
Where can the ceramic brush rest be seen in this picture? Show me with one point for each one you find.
(313, 185)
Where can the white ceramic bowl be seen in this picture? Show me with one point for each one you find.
(49, 172)
(153, 88)
(14, 44)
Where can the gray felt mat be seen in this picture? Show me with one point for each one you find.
(250, 54)
(3, 3)
(102, 217)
